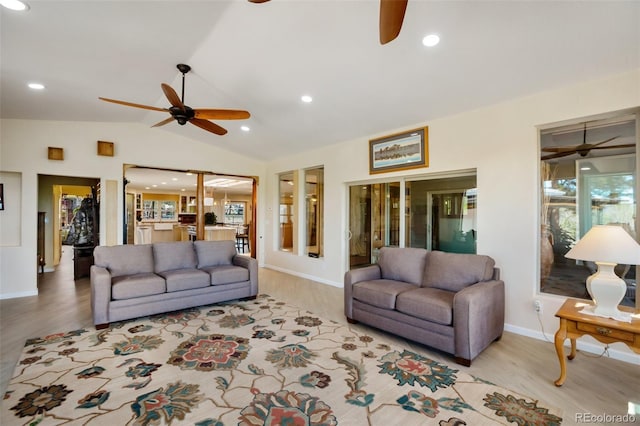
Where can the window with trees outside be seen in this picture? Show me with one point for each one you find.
(588, 177)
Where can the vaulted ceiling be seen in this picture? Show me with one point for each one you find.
(264, 57)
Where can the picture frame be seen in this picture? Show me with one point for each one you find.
(401, 151)
(1, 196)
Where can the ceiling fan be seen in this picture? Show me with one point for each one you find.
(391, 17)
(184, 114)
(583, 149)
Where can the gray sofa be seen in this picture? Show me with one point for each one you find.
(449, 301)
(130, 281)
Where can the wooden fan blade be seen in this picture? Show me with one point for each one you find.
(208, 126)
(559, 148)
(391, 17)
(258, 1)
(222, 114)
(152, 108)
(163, 122)
(172, 96)
(627, 145)
(557, 155)
(604, 141)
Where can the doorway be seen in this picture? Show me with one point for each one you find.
(65, 221)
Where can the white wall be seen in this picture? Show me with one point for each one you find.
(23, 149)
(499, 141)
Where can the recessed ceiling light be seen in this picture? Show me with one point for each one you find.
(36, 86)
(431, 40)
(174, 179)
(306, 99)
(245, 128)
(14, 5)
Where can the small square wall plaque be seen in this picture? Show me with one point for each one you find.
(105, 148)
(56, 153)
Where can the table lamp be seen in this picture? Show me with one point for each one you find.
(606, 245)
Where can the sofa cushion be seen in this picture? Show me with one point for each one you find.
(380, 293)
(214, 253)
(185, 279)
(227, 274)
(137, 285)
(125, 259)
(455, 271)
(174, 255)
(430, 304)
(402, 264)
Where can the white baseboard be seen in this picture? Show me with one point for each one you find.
(20, 294)
(596, 349)
(306, 276)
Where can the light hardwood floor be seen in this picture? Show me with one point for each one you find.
(594, 385)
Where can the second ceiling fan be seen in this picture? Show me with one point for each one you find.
(183, 114)
(391, 17)
(583, 149)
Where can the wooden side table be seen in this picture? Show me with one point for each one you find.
(574, 323)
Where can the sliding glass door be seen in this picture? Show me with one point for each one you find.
(439, 214)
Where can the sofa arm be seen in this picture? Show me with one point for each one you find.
(371, 272)
(478, 317)
(252, 265)
(100, 294)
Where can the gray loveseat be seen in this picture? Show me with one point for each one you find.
(130, 281)
(449, 301)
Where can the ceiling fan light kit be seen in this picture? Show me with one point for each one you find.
(184, 114)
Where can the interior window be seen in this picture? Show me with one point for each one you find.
(314, 207)
(286, 210)
(588, 177)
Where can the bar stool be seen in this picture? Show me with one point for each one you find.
(242, 238)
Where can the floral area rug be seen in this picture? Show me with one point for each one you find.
(259, 362)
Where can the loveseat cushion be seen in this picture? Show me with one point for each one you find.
(185, 279)
(214, 253)
(381, 293)
(137, 285)
(402, 264)
(455, 271)
(227, 274)
(174, 255)
(125, 259)
(431, 304)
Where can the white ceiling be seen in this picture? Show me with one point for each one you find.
(263, 57)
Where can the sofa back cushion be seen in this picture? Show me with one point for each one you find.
(455, 271)
(126, 259)
(215, 253)
(402, 264)
(174, 255)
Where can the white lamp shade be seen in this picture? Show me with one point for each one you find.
(607, 243)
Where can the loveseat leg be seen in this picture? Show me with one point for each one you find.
(352, 321)
(463, 361)
(102, 326)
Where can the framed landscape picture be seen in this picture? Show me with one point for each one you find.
(407, 150)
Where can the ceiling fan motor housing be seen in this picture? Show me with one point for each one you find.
(182, 116)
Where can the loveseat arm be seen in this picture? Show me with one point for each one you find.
(100, 294)
(478, 318)
(368, 273)
(252, 265)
